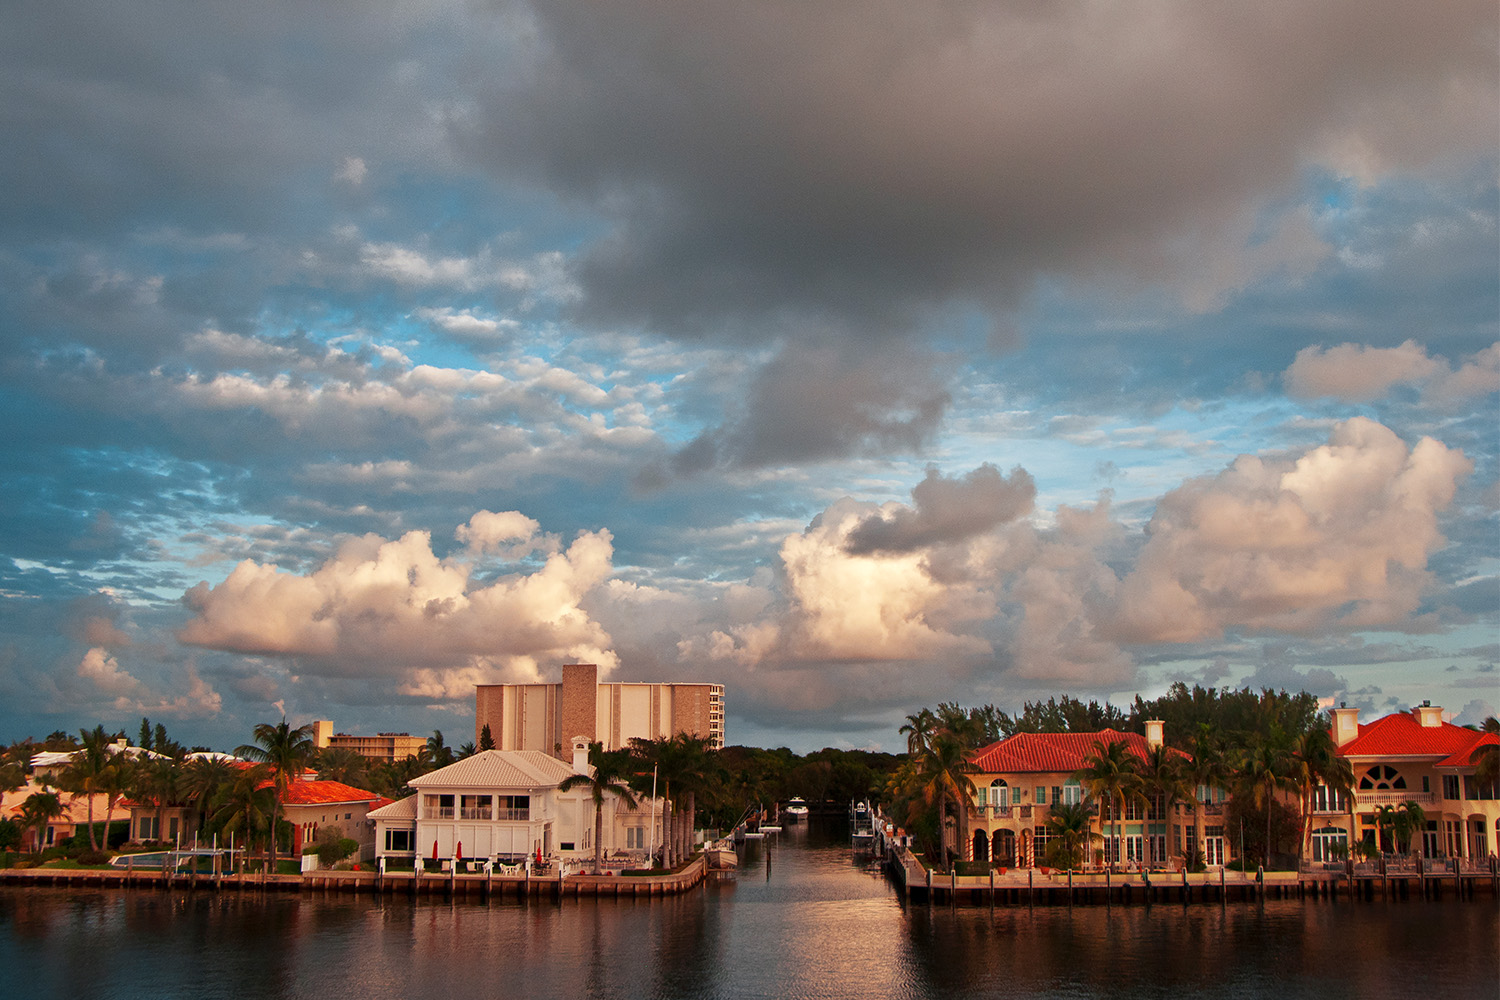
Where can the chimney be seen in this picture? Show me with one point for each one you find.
(1153, 733)
(1345, 724)
(1429, 716)
(580, 755)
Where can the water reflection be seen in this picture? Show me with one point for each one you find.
(803, 919)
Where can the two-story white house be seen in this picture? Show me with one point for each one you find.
(505, 805)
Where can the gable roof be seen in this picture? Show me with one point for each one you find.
(1401, 735)
(1049, 752)
(498, 769)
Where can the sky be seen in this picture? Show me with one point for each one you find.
(856, 356)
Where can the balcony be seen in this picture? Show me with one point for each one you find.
(1364, 799)
(513, 815)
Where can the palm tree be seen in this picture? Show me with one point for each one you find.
(1315, 761)
(1265, 767)
(202, 780)
(1409, 818)
(1070, 833)
(1207, 769)
(1162, 775)
(941, 773)
(244, 805)
(39, 809)
(344, 765)
(609, 771)
(438, 752)
(84, 773)
(155, 781)
(1111, 774)
(919, 729)
(287, 752)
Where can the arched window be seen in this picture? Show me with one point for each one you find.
(999, 793)
(1381, 777)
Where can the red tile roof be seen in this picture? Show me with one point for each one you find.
(305, 793)
(1401, 735)
(1465, 757)
(1047, 752)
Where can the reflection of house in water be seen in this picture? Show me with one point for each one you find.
(1020, 779)
(505, 804)
(1411, 757)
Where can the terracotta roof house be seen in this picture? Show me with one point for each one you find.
(1022, 777)
(1419, 757)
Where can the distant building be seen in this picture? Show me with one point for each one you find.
(546, 717)
(389, 747)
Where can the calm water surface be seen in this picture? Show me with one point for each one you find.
(800, 920)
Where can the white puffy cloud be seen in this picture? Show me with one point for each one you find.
(1358, 373)
(394, 609)
(1338, 538)
(103, 671)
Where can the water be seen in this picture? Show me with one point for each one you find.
(800, 920)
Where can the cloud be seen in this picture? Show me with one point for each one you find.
(102, 670)
(946, 510)
(765, 167)
(1356, 373)
(1338, 538)
(392, 609)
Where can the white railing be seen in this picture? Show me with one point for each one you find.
(1365, 799)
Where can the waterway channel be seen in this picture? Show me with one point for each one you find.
(802, 918)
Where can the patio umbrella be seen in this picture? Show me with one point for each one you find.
(434, 850)
(460, 851)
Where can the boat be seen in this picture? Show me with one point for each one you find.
(796, 810)
(862, 820)
(721, 855)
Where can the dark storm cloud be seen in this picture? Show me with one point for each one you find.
(811, 404)
(861, 164)
(946, 510)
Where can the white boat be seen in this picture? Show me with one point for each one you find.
(721, 855)
(796, 810)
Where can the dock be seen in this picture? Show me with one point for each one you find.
(482, 886)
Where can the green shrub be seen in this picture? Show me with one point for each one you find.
(94, 858)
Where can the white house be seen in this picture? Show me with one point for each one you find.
(505, 805)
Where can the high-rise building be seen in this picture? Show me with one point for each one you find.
(546, 717)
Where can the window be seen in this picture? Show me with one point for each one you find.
(566, 845)
(474, 807)
(1072, 793)
(635, 837)
(1041, 795)
(1015, 796)
(513, 807)
(437, 806)
(1326, 799)
(400, 840)
(1039, 838)
(1329, 844)
(1426, 783)
(1382, 777)
(1450, 786)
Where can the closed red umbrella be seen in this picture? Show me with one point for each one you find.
(434, 850)
(460, 850)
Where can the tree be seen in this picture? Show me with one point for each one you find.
(1070, 834)
(1111, 774)
(1408, 819)
(486, 738)
(1264, 768)
(439, 754)
(1207, 769)
(607, 776)
(85, 773)
(942, 774)
(201, 781)
(244, 805)
(1162, 775)
(1315, 761)
(144, 739)
(40, 809)
(287, 752)
(345, 765)
(154, 780)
